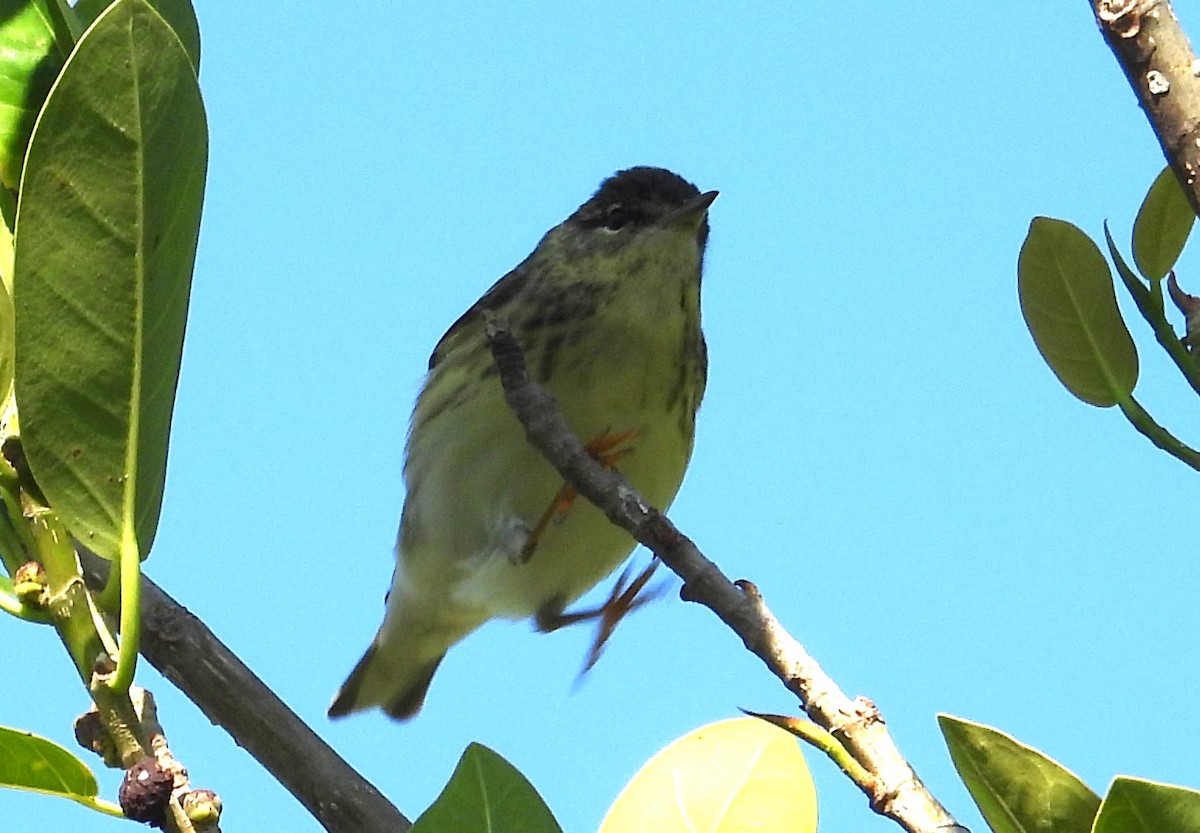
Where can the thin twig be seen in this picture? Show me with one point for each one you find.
(894, 788)
(188, 654)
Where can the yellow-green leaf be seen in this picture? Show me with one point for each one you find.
(486, 794)
(29, 762)
(1162, 226)
(1067, 298)
(7, 321)
(1017, 788)
(736, 775)
(1134, 805)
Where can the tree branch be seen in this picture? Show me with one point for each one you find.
(188, 654)
(1154, 52)
(891, 784)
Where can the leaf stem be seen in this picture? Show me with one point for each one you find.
(16, 542)
(131, 618)
(11, 604)
(100, 805)
(822, 739)
(1150, 304)
(1161, 437)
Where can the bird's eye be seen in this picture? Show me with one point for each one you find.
(616, 218)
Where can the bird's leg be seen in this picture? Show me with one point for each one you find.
(622, 600)
(608, 451)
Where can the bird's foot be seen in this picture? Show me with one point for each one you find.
(622, 600)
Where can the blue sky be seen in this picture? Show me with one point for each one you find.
(881, 448)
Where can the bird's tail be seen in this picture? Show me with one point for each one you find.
(392, 678)
(395, 672)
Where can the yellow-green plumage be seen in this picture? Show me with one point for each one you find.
(607, 312)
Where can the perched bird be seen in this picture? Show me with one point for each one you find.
(607, 312)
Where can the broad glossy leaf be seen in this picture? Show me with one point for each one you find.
(727, 777)
(1162, 226)
(1067, 299)
(179, 15)
(1137, 806)
(29, 762)
(1017, 788)
(30, 59)
(486, 794)
(107, 224)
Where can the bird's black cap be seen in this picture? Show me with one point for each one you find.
(636, 196)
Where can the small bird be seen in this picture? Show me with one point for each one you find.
(607, 312)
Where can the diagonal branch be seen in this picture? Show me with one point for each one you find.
(1158, 61)
(891, 784)
(188, 654)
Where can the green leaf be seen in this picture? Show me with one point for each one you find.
(727, 777)
(179, 15)
(30, 59)
(7, 343)
(107, 222)
(1067, 299)
(1136, 806)
(1017, 788)
(29, 762)
(7, 320)
(1162, 226)
(488, 795)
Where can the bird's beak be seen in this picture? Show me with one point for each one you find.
(691, 214)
